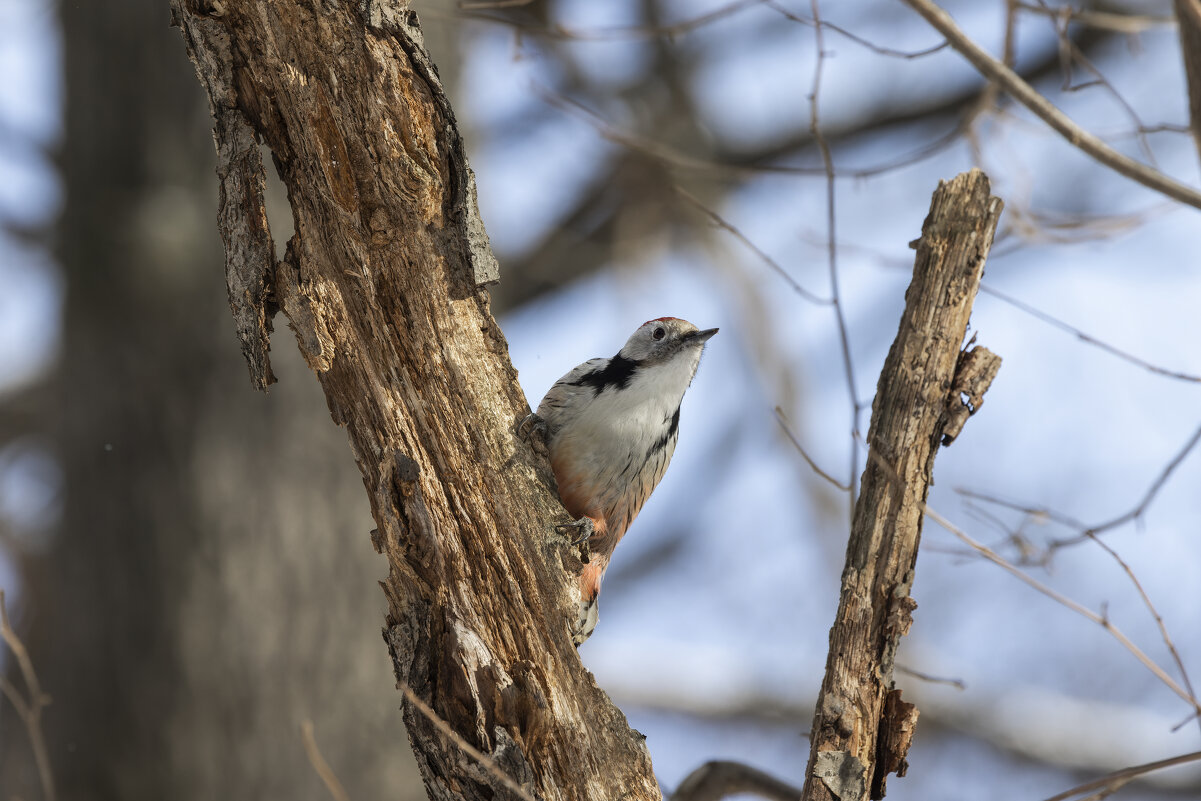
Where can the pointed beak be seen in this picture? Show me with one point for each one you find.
(701, 336)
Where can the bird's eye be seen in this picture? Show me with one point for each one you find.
(659, 333)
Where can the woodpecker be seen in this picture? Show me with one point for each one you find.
(611, 427)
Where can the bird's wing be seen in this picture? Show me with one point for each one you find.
(563, 391)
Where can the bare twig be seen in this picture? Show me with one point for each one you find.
(958, 684)
(1115, 780)
(1076, 734)
(1083, 337)
(1079, 609)
(658, 150)
(832, 249)
(1163, 629)
(1152, 491)
(319, 764)
(1071, 53)
(718, 779)
(986, 103)
(28, 709)
(615, 33)
(720, 222)
(1085, 531)
(808, 459)
(1045, 110)
(673, 157)
(875, 48)
(485, 761)
(1105, 20)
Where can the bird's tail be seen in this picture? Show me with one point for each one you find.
(588, 608)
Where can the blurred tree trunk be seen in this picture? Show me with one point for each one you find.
(173, 618)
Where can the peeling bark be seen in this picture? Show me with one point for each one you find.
(861, 729)
(383, 287)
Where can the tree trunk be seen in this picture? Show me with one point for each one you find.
(862, 728)
(382, 285)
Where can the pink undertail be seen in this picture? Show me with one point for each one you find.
(590, 577)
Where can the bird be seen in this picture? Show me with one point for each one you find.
(610, 426)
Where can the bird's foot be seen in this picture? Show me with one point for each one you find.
(532, 429)
(585, 526)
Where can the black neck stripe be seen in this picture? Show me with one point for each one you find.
(615, 375)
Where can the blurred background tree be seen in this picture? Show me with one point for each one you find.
(189, 599)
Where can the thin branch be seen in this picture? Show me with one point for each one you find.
(13, 695)
(875, 48)
(657, 150)
(29, 709)
(1163, 629)
(718, 779)
(1115, 780)
(1121, 354)
(720, 222)
(1085, 531)
(673, 157)
(1037, 512)
(485, 761)
(1079, 609)
(1071, 53)
(958, 684)
(1082, 733)
(1152, 491)
(1028, 552)
(986, 104)
(319, 764)
(1105, 20)
(615, 33)
(801, 450)
(832, 248)
(1045, 110)
(1034, 225)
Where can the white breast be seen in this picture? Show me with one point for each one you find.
(617, 442)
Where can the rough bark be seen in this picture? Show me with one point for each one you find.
(861, 728)
(382, 286)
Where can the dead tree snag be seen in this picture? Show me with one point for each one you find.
(862, 728)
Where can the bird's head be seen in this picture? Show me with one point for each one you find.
(665, 338)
